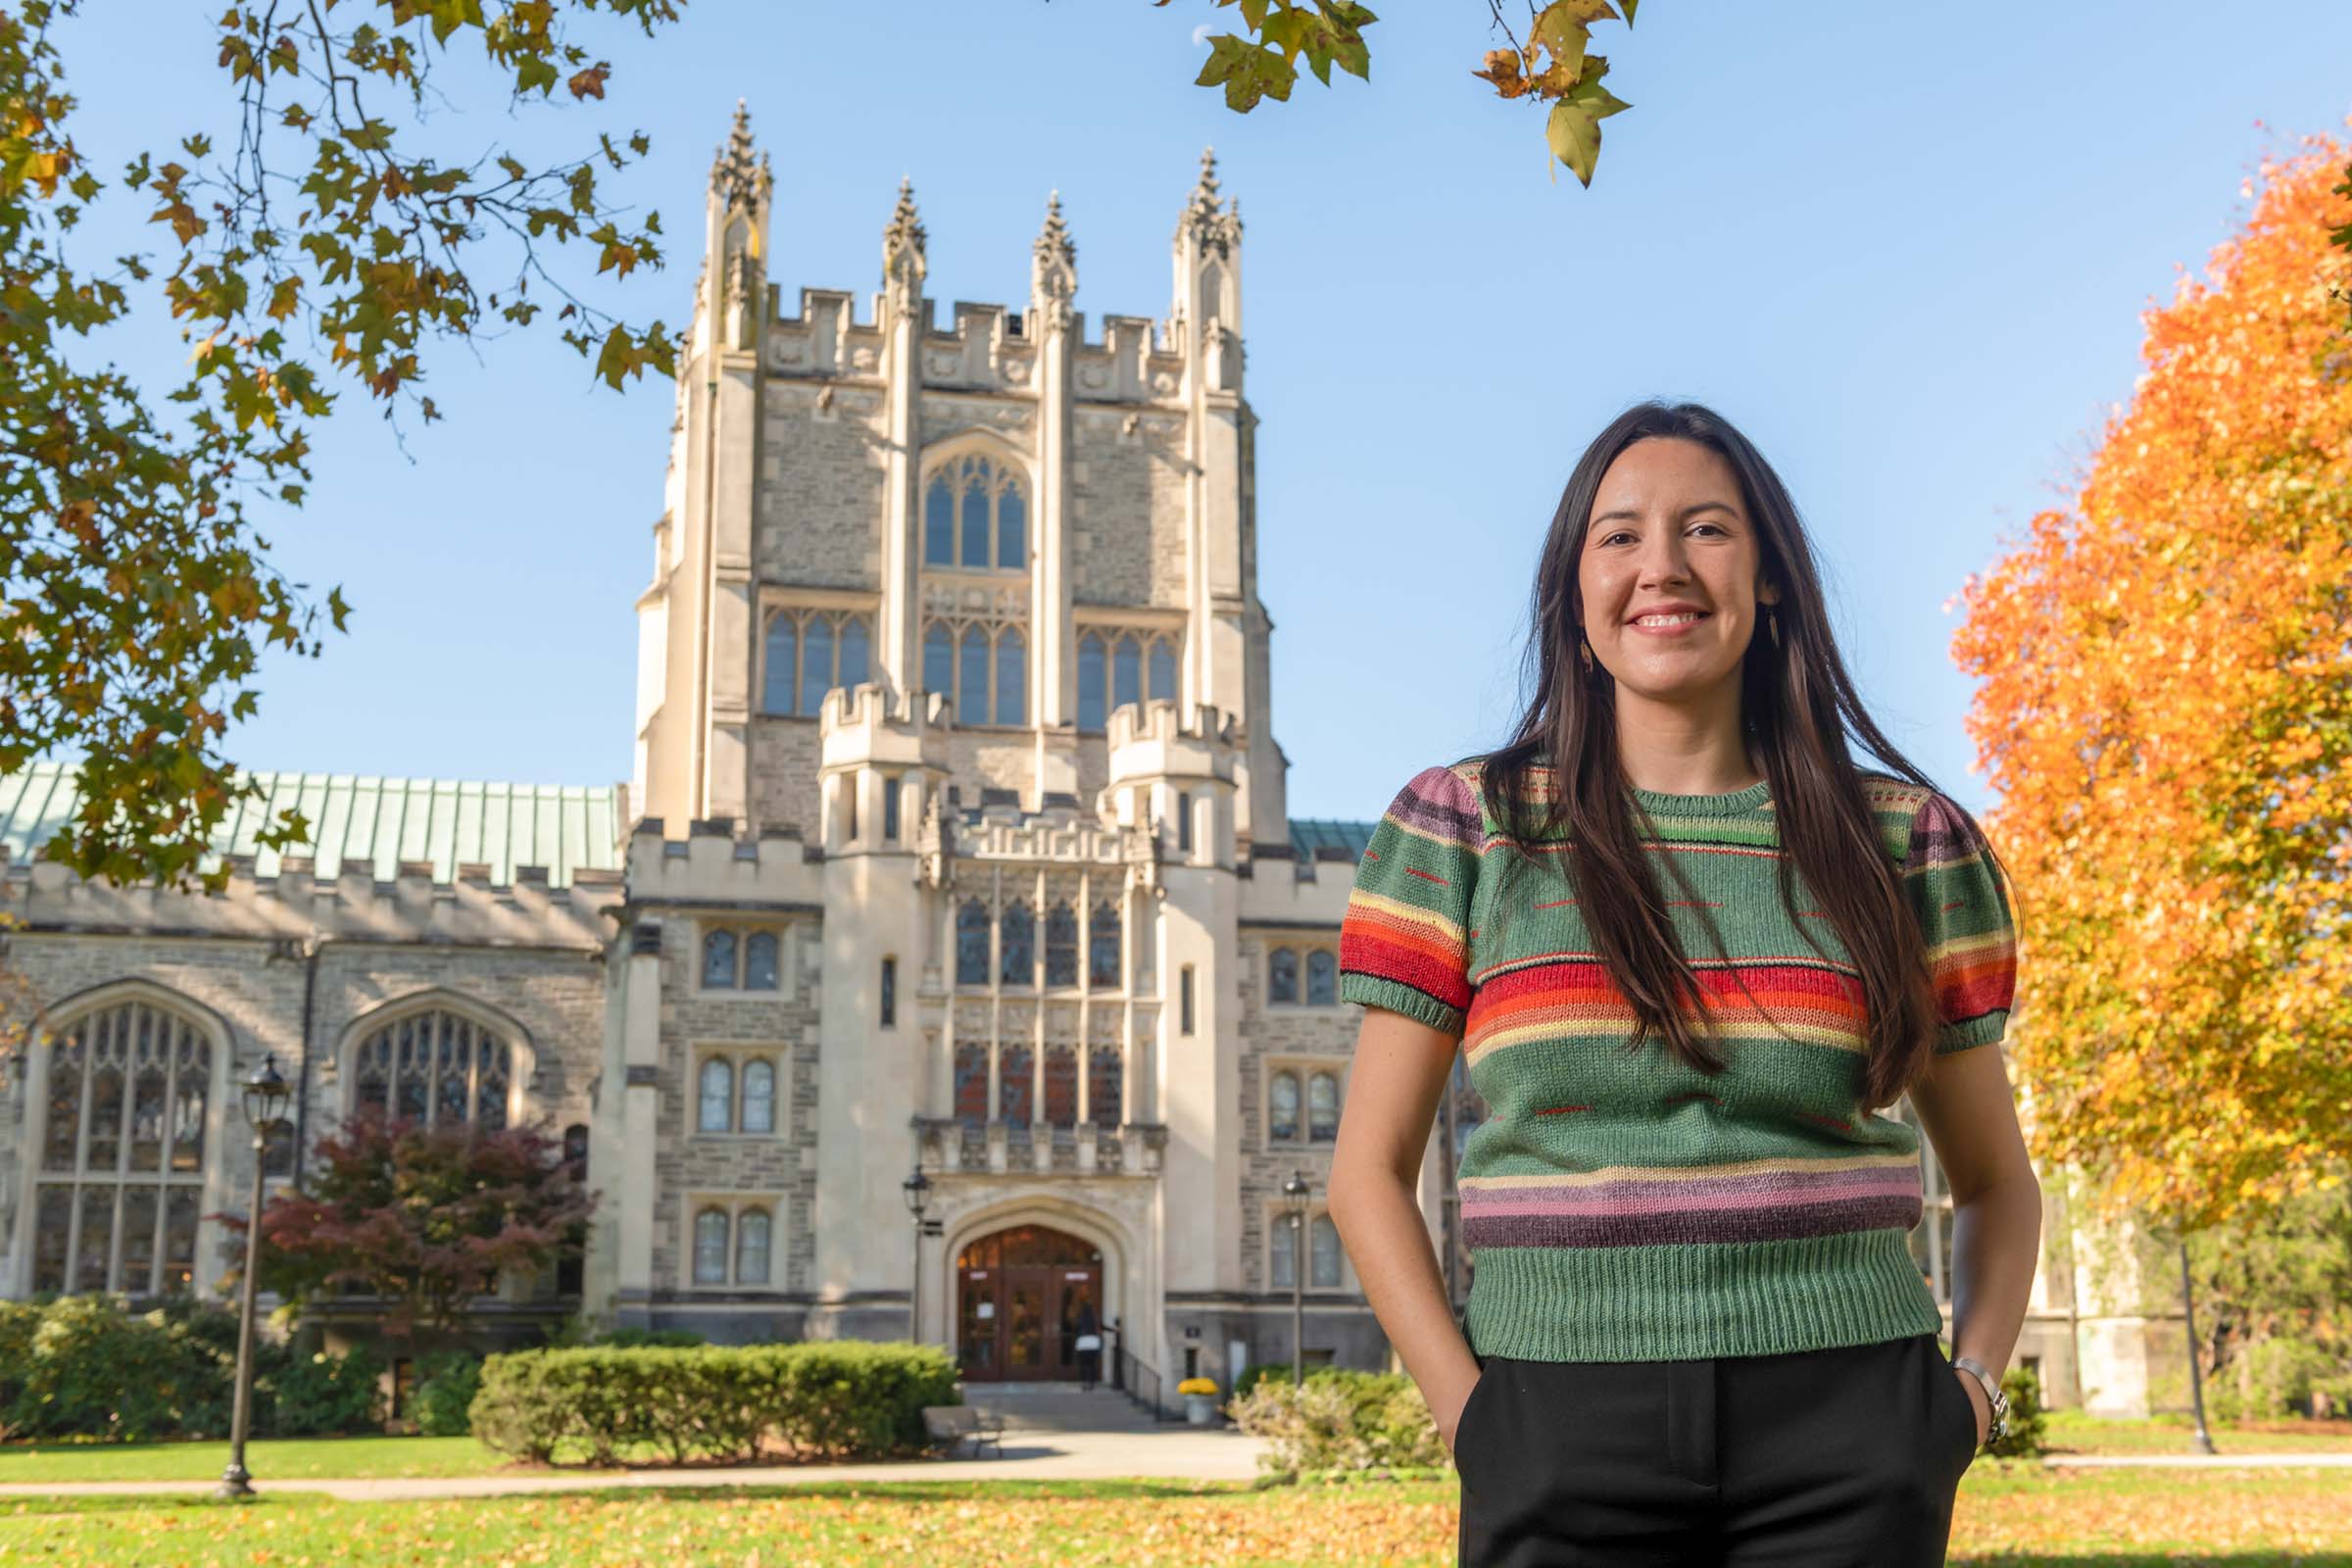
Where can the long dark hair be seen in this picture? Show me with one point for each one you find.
(1796, 703)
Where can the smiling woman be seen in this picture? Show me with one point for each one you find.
(1688, 949)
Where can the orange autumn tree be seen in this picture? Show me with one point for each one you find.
(2166, 716)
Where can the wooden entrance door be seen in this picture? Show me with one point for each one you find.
(1019, 1295)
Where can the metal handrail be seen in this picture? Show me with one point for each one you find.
(1137, 1381)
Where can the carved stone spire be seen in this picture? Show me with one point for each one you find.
(1053, 268)
(737, 177)
(1205, 216)
(902, 263)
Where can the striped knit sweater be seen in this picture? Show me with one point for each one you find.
(1626, 1208)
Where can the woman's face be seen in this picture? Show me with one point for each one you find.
(1669, 528)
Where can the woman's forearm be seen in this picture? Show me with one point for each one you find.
(1996, 1247)
(1381, 1224)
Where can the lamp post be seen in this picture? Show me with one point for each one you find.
(1293, 1205)
(266, 1095)
(917, 1189)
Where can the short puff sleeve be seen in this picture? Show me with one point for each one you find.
(1404, 941)
(1965, 916)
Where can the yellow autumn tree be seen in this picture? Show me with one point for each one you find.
(2166, 716)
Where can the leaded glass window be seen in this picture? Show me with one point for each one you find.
(971, 942)
(710, 1246)
(1103, 946)
(1322, 977)
(1282, 975)
(759, 1096)
(1015, 1088)
(1062, 945)
(1322, 1108)
(751, 1246)
(123, 1152)
(1104, 1072)
(718, 960)
(759, 961)
(1323, 1255)
(717, 1096)
(1016, 938)
(1061, 1086)
(1282, 1108)
(438, 1066)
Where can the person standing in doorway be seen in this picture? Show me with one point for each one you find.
(1089, 1343)
(1692, 955)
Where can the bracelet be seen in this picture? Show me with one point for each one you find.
(1994, 1395)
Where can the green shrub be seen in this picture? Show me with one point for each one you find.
(836, 1399)
(1339, 1420)
(80, 1367)
(446, 1385)
(317, 1395)
(2027, 1422)
(630, 1337)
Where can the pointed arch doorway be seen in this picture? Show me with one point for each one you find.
(1018, 1293)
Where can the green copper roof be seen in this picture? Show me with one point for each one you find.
(362, 821)
(1309, 832)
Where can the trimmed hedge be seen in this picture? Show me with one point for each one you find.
(836, 1399)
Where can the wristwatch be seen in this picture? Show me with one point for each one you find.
(1999, 1427)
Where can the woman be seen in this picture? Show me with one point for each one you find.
(1089, 1343)
(1685, 969)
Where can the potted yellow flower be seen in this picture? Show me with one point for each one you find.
(1200, 1400)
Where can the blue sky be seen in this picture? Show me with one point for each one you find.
(1905, 247)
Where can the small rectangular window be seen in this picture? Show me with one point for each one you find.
(1185, 999)
(890, 991)
(890, 809)
(848, 807)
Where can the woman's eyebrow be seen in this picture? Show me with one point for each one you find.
(1629, 515)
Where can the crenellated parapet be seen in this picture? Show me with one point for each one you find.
(296, 905)
(712, 865)
(1156, 740)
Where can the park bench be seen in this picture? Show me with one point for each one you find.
(950, 1424)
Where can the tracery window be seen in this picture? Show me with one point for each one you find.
(1324, 1271)
(1102, 945)
(1111, 668)
(1322, 968)
(438, 1066)
(971, 942)
(123, 1152)
(809, 652)
(1105, 1076)
(982, 666)
(741, 959)
(1062, 945)
(727, 1232)
(1016, 937)
(735, 1090)
(975, 515)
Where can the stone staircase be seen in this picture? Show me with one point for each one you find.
(1061, 1407)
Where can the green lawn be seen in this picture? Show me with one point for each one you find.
(284, 1459)
(2009, 1516)
(2072, 1432)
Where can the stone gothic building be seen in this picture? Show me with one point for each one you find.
(957, 837)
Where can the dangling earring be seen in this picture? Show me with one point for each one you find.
(1584, 650)
(1772, 625)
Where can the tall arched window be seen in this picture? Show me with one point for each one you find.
(971, 1084)
(1322, 1108)
(853, 667)
(1282, 975)
(759, 1096)
(971, 677)
(436, 1065)
(123, 1152)
(975, 514)
(759, 961)
(1102, 945)
(939, 522)
(1061, 1086)
(1012, 528)
(751, 1246)
(710, 1246)
(971, 942)
(1017, 935)
(1105, 1076)
(1062, 945)
(717, 1096)
(939, 659)
(782, 663)
(817, 664)
(1282, 1108)
(1127, 673)
(1012, 677)
(1322, 977)
(1163, 669)
(1015, 1084)
(1093, 710)
(718, 960)
(1323, 1255)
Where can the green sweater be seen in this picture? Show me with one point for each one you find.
(1623, 1206)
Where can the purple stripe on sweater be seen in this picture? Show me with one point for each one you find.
(1439, 803)
(1650, 1196)
(1689, 1226)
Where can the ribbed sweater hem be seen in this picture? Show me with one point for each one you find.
(1691, 1303)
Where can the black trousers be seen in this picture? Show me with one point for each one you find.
(1840, 1458)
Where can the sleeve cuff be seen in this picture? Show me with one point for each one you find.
(1373, 990)
(1985, 1029)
